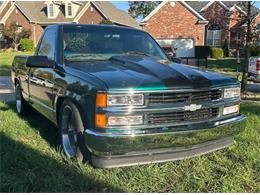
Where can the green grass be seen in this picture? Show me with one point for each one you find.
(226, 66)
(6, 60)
(31, 161)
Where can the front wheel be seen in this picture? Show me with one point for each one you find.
(71, 131)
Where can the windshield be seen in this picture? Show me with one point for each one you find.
(101, 43)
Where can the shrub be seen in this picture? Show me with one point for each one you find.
(202, 51)
(106, 21)
(255, 51)
(26, 45)
(217, 52)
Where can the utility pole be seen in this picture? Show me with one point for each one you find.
(248, 40)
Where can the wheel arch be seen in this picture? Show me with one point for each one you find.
(79, 104)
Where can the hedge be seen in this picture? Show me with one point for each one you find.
(217, 52)
(26, 45)
(255, 51)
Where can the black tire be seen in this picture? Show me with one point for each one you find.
(22, 107)
(72, 132)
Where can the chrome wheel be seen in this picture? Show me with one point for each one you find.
(18, 98)
(69, 132)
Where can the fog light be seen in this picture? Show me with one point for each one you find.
(101, 120)
(125, 120)
(231, 109)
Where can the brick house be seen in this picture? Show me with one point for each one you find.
(186, 24)
(177, 24)
(224, 21)
(36, 15)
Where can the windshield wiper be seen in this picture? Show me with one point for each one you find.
(139, 53)
(81, 57)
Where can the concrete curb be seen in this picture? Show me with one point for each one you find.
(4, 91)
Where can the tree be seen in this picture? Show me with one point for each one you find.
(140, 9)
(13, 34)
(248, 35)
(106, 21)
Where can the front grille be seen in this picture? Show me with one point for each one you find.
(184, 97)
(172, 117)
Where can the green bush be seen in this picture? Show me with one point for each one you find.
(217, 52)
(26, 45)
(202, 51)
(255, 51)
(106, 21)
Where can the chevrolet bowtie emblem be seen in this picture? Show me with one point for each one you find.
(192, 107)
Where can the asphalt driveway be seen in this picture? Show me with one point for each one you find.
(253, 87)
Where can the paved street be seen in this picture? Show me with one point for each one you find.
(6, 89)
(253, 87)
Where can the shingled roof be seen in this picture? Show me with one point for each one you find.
(36, 11)
(114, 14)
(199, 5)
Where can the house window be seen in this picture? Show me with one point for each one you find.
(51, 10)
(69, 9)
(214, 35)
(1, 37)
(91, 9)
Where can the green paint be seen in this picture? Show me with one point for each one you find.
(150, 88)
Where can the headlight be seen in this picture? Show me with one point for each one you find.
(231, 109)
(125, 120)
(232, 92)
(125, 100)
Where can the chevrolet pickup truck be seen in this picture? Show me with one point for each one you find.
(119, 100)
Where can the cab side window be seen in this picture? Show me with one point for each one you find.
(47, 45)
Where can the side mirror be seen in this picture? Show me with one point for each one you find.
(176, 60)
(38, 62)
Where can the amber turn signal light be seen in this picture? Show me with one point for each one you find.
(101, 120)
(101, 100)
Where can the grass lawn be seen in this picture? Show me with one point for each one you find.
(31, 161)
(226, 66)
(6, 60)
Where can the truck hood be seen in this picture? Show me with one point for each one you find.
(143, 73)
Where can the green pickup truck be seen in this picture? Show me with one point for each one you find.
(119, 100)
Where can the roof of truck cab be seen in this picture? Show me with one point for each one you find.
(93, 26)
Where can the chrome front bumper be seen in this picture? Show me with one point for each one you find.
(179, 142)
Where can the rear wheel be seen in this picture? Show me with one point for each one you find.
(71, 131)
(22, 106)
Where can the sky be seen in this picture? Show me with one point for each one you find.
(124, 4)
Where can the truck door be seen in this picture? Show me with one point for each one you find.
(41, 81)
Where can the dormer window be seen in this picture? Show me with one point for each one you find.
(51, 10)
(69, 9)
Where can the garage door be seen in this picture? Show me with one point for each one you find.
(185, 47)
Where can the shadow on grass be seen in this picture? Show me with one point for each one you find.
(24, 169)
(5, 72)
(46, 129)
(250, 108)
(225, 64)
